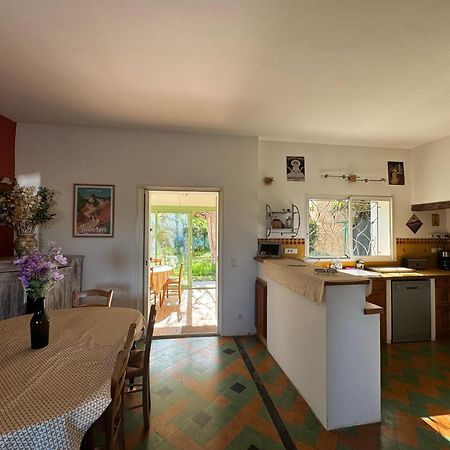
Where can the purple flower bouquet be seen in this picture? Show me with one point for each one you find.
(38, 271)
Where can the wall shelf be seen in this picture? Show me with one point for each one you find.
(283, 223)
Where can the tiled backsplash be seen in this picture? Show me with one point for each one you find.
(405, 248)
(419, 248)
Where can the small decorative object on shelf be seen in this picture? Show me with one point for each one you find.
(268, 180)
(284, 222)
(38, 272)
(23, 208)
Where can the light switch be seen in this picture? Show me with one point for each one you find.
(234, 261)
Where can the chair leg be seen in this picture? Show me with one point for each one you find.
(146, 402)
(121, 436)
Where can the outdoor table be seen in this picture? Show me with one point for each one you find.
(158, 277)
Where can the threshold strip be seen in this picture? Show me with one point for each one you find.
(265, 397)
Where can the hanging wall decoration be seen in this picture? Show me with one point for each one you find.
(295, 168)
(396, 173)
(414, 223)
(93, 210)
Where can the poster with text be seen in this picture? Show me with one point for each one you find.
(93, 214)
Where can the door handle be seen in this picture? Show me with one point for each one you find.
(411, 287)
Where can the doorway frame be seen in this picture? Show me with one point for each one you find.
(142, 244)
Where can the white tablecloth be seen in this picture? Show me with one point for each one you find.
(50, 397)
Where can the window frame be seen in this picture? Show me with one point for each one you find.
(349, 239)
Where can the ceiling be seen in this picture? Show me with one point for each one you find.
(360, 72)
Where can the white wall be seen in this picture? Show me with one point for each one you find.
(61, 156)
(430, 167)
(366, 162)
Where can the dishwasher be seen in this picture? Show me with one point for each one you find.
(411, 311)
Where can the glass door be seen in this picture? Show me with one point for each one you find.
(188, 237)
(204, 249)
(170, 231)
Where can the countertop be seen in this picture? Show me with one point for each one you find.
(429, 273)
(302, 278)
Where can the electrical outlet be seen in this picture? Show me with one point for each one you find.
(290, 251)
(240, 316)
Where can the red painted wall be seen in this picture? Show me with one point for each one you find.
(7, 169)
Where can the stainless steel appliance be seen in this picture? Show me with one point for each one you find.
(444, 260)
(411, 311)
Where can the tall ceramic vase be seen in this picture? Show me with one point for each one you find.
(25, 243)
(39, 325)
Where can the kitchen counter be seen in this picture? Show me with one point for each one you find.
(325, 337)
(302, 278)
(429, 273)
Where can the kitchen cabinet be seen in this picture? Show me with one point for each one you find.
(442, 286)
(378, 297)
(261, 309)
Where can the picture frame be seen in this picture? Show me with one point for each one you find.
(295, 168)
(396, 173)
(93, 210)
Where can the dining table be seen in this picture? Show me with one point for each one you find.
(50, 397)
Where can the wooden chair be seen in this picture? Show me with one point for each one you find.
(173, 284)
(130, 338)
(112, 419)
(157, 261)
(82, 295)
(139, 366)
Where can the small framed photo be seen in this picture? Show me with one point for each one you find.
(295, 168)
(396, 173)
(414, 223)
(93, 210)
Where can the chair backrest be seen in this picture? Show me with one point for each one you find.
(130, 337)
(180, 272)
(114, 419)
(157, 261)
(149, 337)
(77, 296)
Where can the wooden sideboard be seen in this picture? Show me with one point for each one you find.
(12, 294)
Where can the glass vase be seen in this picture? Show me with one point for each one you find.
(39, 325)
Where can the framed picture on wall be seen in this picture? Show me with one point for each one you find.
(295, 168)
(396, 173)
(93, 210)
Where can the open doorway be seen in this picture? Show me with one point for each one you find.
(182, 261)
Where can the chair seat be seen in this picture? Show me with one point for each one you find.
(136, 359)
(172, 280)
(133, 372)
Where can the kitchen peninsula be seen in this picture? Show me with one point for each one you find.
(325, 337)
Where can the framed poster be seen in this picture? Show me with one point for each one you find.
(295, 168)
(396, 173)
(93, 210)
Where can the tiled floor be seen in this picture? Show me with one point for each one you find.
(196, 314)
(204, 397)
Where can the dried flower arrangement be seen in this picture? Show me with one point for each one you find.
(24, 207)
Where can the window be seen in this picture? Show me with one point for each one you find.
(350, 227)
